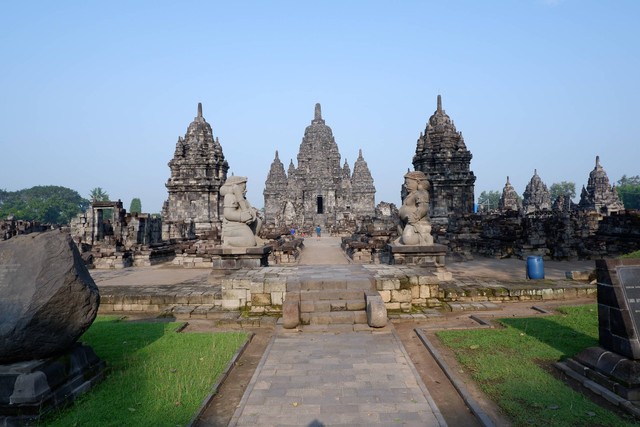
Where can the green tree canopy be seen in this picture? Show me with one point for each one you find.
(45, 204)
(136, 206)
(564, 188)
(98, 195)
(489, 200)
(629, 191)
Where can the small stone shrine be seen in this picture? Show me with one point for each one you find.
(509, 201)
(536, 197)
(614, 366)
(599, 196)
(319, 191)
(47, 301)
(443, 156)
(198, 170)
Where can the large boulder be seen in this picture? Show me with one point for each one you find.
(47, 297)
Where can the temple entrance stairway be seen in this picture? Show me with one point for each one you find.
(330, 291)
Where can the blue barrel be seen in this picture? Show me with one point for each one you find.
(535, 267)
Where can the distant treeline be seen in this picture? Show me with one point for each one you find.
(47, 204)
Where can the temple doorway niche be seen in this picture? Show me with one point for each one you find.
(320, 205)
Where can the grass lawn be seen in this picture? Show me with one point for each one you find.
(156, 376)
(512, 366)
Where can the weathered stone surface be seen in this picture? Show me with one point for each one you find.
(47, 297)
(376, 310)
(290, 313)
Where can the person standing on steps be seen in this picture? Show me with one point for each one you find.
(318, 231)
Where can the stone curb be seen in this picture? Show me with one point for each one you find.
(421, 384)
(251, 385)
(480, 415)
(216, 386)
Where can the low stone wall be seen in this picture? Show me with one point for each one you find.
(262, 291)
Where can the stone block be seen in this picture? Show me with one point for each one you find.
(376, 312)
(238, 294)
(385, 295)
(260, 299)
(277, 298)
(275, 284)
(415, 291)
(388, 284)
(256, 286)
(405, 307)
(290, 314)
(230, 304)
(392, 305)
(402, 295)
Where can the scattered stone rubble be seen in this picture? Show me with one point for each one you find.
(12, 227)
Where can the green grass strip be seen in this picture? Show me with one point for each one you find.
(156, 377)
(512, 365)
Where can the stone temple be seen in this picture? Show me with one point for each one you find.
(198, 170)
(319, 191)
(443, 156)
(600, 196)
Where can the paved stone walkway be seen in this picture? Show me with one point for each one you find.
(328, 379)
(335, 378)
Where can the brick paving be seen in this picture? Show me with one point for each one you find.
(336, 379)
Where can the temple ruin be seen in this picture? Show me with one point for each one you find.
(443, 156)
(599, 195)
(319, 190)
(198, 170)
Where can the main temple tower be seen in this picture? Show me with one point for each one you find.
(319, 190)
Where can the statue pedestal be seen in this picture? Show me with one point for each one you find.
(30, 389)
(227, 259)
(612, 373)
(425, 256)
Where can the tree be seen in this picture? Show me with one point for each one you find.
(489, 200)
(629, 191)
(136, 206)
(564, 188)
(45, 204)
(98, 195)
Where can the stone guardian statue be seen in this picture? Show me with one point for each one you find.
(240, 223)
(415, 227)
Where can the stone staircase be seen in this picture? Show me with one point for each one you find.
(328, 296)
(335, 301)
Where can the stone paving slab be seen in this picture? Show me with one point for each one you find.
(332, 379)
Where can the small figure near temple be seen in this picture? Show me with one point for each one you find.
(241, 223)
(415, 227)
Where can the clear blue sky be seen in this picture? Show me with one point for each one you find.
(96, 93)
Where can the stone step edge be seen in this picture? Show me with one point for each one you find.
(323, 306)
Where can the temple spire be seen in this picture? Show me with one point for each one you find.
(318, 113)
(597, 161)
(439, 104)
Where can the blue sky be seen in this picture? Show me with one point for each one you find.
(95, 94)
